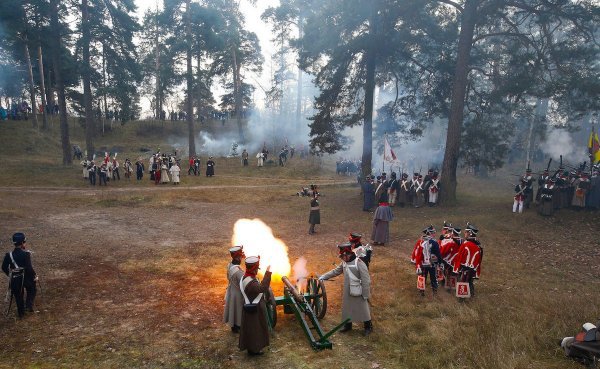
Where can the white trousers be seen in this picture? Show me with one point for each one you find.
(518, 205)
(433, 197)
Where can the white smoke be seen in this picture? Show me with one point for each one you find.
(560, 142)
(300, 273)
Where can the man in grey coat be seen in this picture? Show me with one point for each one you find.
(357, 288)
(234, 301)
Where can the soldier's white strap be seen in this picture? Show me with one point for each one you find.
(243, 283)
(351, 275)
(231, 270)
(13, 260)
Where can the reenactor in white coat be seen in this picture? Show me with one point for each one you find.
(234, 301)
(357, 288)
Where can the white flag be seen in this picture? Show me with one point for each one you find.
(388, 153)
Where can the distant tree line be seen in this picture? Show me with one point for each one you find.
(83, 53)
(480, 65)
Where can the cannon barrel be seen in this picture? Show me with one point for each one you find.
(292, 290)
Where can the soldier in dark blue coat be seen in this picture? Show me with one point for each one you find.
(17, 266)
(368, 194)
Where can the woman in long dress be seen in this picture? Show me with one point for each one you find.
(175, 173)
(164, 173)
(381, 220)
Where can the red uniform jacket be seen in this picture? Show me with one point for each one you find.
(433, 252)
(469, 255)
(449, 249)
(413, 256)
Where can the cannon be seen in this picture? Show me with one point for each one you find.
(308, 307)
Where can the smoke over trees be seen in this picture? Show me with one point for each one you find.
(490, 69)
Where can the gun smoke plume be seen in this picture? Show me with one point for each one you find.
(560, 142)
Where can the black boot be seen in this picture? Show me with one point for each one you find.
(368, 328)
(235, 329)
(347, 327)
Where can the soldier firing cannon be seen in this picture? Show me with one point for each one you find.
(308, 307)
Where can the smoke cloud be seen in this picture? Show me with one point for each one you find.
(560, 142)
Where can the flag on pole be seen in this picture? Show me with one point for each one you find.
(594, 146)
(388, 153)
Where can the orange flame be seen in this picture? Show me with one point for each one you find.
(258, 240)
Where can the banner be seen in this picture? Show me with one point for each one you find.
(388, 153)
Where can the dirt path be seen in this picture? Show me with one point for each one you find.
(97, 189)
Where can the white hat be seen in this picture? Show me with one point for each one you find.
(236, 248)
(252, 259)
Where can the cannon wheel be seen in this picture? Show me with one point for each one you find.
(272, 307)
(318, 297)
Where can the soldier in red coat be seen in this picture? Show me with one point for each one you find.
(468, 261)
(427, 256)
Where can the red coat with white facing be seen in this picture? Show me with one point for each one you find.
(449, 249)
(469, 255)
(413, 256)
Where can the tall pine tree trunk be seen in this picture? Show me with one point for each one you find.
(189, 76)
(104, 99)
(371, 63)
(457, 104)
(157, 71)
(86, 74)
(42, 88)
(31, 85)
(237, 93)
(299, 86)
(60, 86)
(367, 155)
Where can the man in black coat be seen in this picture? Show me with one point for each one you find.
(17, 266)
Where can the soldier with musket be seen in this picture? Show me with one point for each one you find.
(254, 331)
(519, 198)
(368, 193)
(393, 189)
(582, 186)
(17, 266)
(357, 288)
(547, 201)
(418, 191)
(403, 196)
(234, 301)
(433, 189)
(528, 187)
(545, 177)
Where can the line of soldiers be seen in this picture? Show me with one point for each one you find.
(450, 261)
(415, 192)
(105, 170)
(576, 189)
(347, 167)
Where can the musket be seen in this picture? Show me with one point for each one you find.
(548, 166)
(561, 164)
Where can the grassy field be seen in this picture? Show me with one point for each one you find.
(134, 274)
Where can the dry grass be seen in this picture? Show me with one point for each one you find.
(134, 276)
